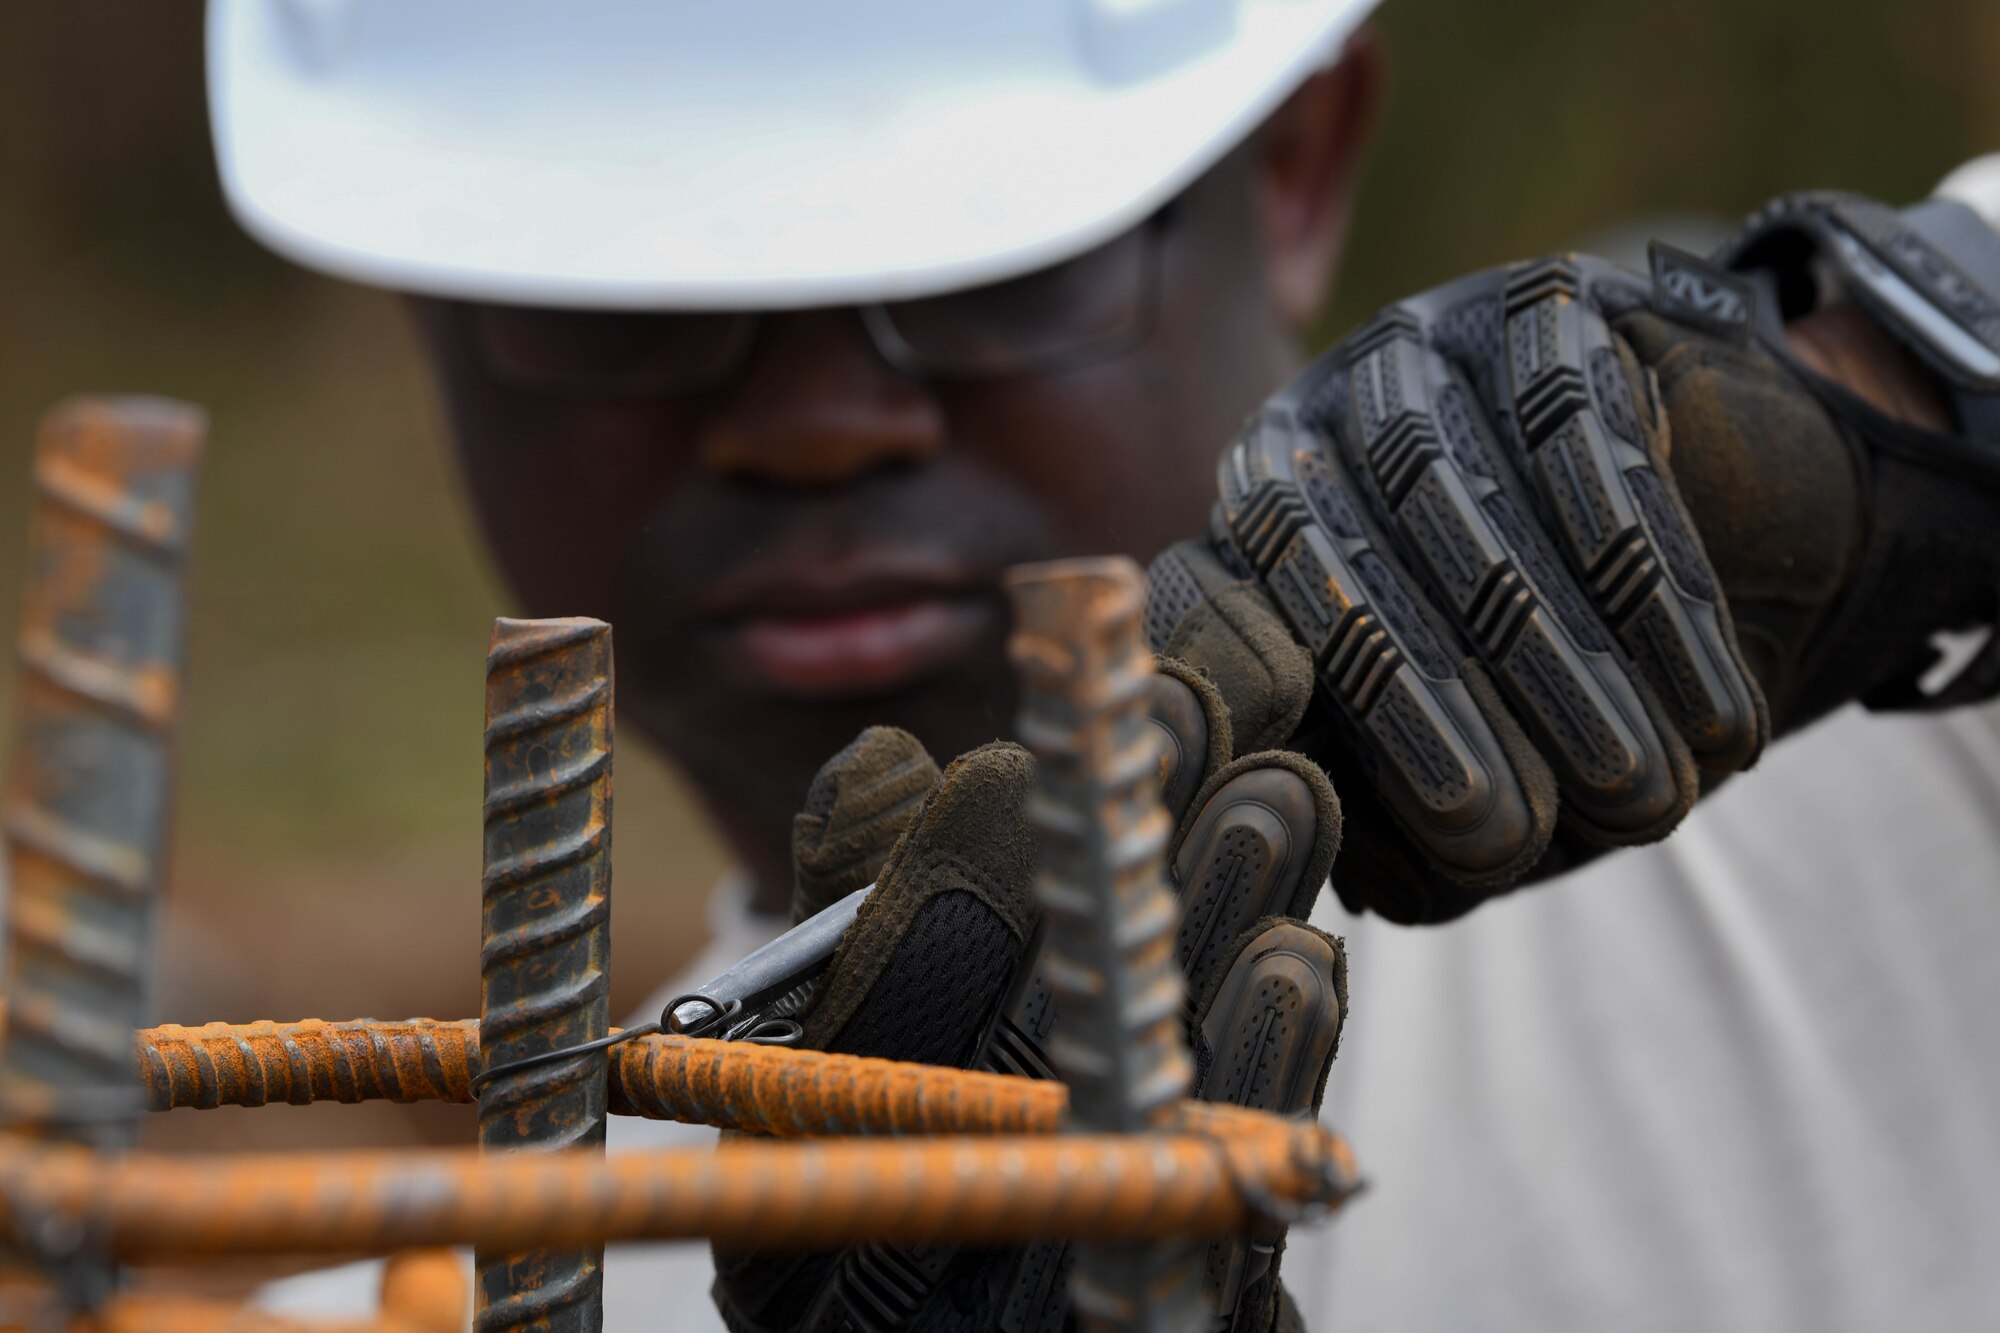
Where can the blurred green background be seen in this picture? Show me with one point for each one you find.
(326, 856)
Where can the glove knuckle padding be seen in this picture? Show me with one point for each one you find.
(1258, 842)
(1451, 500)
(1599, 469)
(1268, 1026)
(1464, 513)
(1265, 1032)
(1438, 760)
(1187, 710)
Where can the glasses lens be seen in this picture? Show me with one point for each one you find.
(608, 352)
(1054, 318)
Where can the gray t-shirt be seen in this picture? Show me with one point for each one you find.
(1745, 1079)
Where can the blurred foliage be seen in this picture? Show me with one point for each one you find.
(1527, 125)
(340, 606)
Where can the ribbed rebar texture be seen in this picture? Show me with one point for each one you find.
(735, 1085)
(89, 777)
(545, 937)
(255, 1064)
(1108, 953)
(788, 1093)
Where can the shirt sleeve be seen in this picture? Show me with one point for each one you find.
(1977, 185)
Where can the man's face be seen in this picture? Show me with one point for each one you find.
(808, 539)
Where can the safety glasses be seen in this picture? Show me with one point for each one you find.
(1095, 306)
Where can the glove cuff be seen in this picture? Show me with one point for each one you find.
(1929, 275)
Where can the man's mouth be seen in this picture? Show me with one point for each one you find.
(865, 650)
(833, 633)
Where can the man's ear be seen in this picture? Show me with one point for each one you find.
(1309, 160)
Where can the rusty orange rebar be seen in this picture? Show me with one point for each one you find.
(744, 1195)
(423, 1291)
(88, 777)
(253, 1064)
(1079, 651)
(545, 941)
(790, 1093)
(184, 1314)
(736, 1085)
(731, 1085)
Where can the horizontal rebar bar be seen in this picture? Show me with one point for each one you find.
(738, 1085)
(187, 1314)
(253, 1064)
(771, 1090)
(745, 1195)
(422, 1291)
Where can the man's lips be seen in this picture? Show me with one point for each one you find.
(853, 628)
(866, 650)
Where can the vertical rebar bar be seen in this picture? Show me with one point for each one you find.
(89, 776)
(546, 937)
(1108, 951)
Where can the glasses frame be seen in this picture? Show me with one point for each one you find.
(877, 319)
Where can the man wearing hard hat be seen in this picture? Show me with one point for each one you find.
(773, 334)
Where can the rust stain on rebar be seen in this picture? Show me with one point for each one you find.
(88, 781)
(545, 936)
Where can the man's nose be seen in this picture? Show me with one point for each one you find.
(817, 406)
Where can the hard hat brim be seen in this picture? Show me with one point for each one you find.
(666, 177)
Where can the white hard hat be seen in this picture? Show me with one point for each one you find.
(730, 153)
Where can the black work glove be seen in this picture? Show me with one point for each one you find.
(934, 970)
(1560, 540)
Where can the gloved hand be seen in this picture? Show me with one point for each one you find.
(1561, 540)
(933, 970)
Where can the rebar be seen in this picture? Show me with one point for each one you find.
(734, 1085)
(254, 1064)
(793, 1093)
(1080, 652)
(423, 1291)
(773, 1090)
(747, 1194)
(545, 938)
(186, 1314)
(88, 782)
